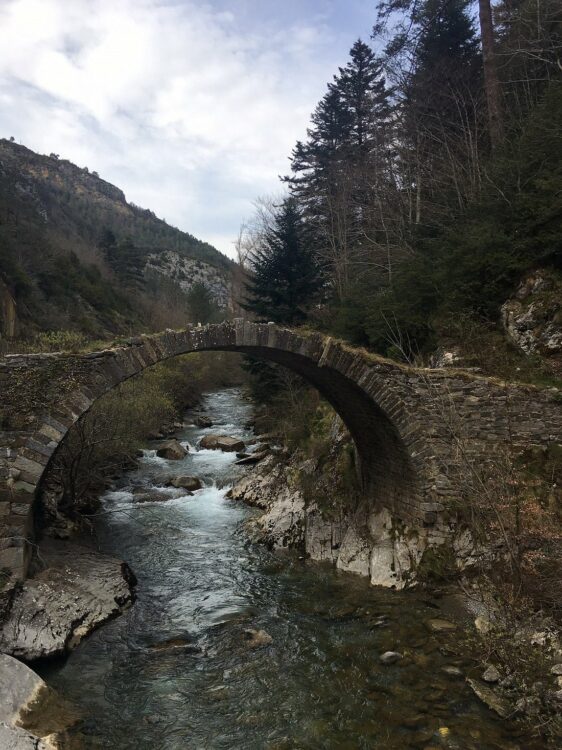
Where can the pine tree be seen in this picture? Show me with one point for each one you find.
(285, 281)
(202, 308)
(365, 98)
(339, 172)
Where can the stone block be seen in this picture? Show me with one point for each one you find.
(29, 466)
(11, 558)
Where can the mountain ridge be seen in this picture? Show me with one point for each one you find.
(76, 255)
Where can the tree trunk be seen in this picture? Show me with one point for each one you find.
(491, 82)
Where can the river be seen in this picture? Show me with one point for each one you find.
(176, 672)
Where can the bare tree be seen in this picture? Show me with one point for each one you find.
(491, 80)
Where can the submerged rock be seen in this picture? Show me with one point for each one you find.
(257, 638)
(390, 657)
(452, 671)
(203, 421)
(175, 644)
(223, 443)
(52, 612)
(151, 496)
(171, 450)
(437, 625)
(491, 698)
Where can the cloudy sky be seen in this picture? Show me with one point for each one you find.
(191, 107)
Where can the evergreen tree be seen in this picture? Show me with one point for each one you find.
(339, 171)
(365, 98)
(202, 308)
(285, 281)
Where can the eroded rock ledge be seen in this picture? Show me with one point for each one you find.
(357, 538)
(78, 591)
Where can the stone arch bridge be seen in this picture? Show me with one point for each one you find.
(414, 429)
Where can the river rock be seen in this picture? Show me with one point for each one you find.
(390, 657)
(437, 625)
(151, 496)
(491, 675)
(257, 638)
(452, 671)
(187, 483)
(29, 708)
(260, 488)
(172, 450)
(490, 697)
(14, 738)
(222, 442)
(203, 421)
(176, 644)
(78, 591)
(19, 688)
(253, 458)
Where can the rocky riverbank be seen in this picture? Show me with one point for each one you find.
(316, 505)
(306, 504)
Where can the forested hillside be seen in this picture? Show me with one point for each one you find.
(76, 256)
(429, 184)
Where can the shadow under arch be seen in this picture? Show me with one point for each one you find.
(386, 471)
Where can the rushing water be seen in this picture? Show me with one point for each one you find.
(177, 673)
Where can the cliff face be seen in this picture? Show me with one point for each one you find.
(54, 217)
(532, 319)
(186, 272)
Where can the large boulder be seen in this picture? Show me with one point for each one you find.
(31, 713)
(186, 483)
(20, 687)
(51, 613)
(223, 443)
(171, 450)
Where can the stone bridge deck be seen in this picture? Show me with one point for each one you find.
(415, 430)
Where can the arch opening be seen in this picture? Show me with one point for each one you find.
(390, 461)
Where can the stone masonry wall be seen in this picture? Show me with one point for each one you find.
(414, 429)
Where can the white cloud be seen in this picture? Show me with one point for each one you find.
(172, 101)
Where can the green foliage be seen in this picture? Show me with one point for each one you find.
(59, 341)
(471, 268)
(202, 308)
(285, 279)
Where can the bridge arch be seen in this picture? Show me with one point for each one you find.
(394, 413)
